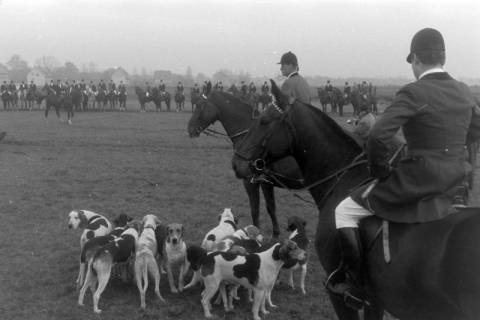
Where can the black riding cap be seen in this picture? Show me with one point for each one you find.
(289, 58)
(427, 39)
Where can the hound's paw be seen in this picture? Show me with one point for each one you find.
(98, 311)
(173, 290)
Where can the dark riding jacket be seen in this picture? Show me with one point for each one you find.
(436, 114)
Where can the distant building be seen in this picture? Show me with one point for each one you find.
(165, 75)
(37, 76)
(4, 74)
(119, 74)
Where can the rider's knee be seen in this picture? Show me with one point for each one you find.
(348, 214)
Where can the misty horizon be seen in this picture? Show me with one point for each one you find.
(332, 39)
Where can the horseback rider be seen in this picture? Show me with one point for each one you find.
(102, 86)
(265, 88)
(438, 116)
(121, 88)
(180, 87)
(32, 87)
(161, 87)
(196, 89)
(220, 86)
(295, 86)
(148, 89)
(346, 90)
(243, 88)
(252, 88)
(363, 124)
(111, 86)
(4, 87)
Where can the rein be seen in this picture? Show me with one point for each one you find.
(337, 174)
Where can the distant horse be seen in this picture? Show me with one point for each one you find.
(325, 99)
(432, 271)
(165, 97)
(179, 101)
(339, 100)
(122, 100)
(22, 96)
(101, 99)
(92, 95)
(31, 97)
(85, 97)
(112, 99)
(143, 97)
(76, 98)
(51, 100)
(236, 116)
(6, 98)
(194, 96)
(14, 99)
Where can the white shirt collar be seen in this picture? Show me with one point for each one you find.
(292, 74)
(433, 70)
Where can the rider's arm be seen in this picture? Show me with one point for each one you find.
(383, 132)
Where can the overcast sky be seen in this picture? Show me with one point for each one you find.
(330, 38)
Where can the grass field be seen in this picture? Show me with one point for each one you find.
(107, 162)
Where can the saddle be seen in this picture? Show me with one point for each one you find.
(376, 231)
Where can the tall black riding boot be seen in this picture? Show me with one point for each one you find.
(347, 280)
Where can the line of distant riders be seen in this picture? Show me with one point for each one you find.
(361, 95)
(157, 95)
(69, 96)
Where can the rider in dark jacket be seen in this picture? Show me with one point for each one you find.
(438, 116)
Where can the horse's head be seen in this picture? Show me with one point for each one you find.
(268, 139)
(205, 114)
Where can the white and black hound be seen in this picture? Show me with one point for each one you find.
(100, 266)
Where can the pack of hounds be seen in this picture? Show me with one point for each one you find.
(229, 257)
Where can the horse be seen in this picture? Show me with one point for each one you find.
(51, 100)
(122, 100)
(194, 96)
(143, 98)
(325, 99)
(112, 99)
(180, 100)
(85, 97)
(31, 97)
(101, 99)
(76, 98)
(432, 271)
(339, 99)
(236, 116)
(22, 95)
(6, 98)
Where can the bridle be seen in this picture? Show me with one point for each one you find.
(212, 132)
(260, 165)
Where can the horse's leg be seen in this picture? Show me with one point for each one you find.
(269, 196)
(253, 193)
(373, 312)
(57, 111)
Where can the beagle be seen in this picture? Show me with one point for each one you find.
(174, 255)
(100, 266)
(145, 262)
(92, 245)
(257, 271)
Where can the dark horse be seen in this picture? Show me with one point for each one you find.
(179, 100)
(236, 116)
(433, 271)
(325, 99)
(56, 101)
(101, 99)
(158, 97)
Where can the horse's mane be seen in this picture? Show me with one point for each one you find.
(332, 124)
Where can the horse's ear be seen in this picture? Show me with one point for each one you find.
(282, 100)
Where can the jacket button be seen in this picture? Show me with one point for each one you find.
(446, 149)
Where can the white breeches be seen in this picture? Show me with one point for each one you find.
(348, 214)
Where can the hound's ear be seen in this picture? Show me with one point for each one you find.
(280, 98)
(83, 219)
(304, 223)
(157, 221)
(219, 217)
(183, 230)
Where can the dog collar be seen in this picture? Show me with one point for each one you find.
(149, 226)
